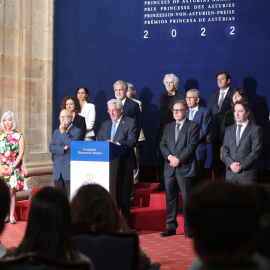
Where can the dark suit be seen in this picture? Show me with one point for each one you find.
(229, 120)
(126, 135)
(61, 157)
(246, 153)
(165, 116)
(185, 175)
(79, 122)
(216, 126)
(132, 109)
(203, 118)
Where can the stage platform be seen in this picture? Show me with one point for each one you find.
(148, 211)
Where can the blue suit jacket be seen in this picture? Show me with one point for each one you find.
(203, 118)
(132, 109)
(217, 116)
(247, 152)
(184, 149)
(61, 157)
(126, 135)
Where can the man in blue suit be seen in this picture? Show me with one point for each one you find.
(131, 108)
(60, 148)
(219, 103)
(121, 130)
(201, 116)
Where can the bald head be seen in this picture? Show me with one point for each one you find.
(65, 117)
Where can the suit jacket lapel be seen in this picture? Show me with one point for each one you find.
(246, 131)
(70, 130)
(120, 127)
(197, 115)
(108, 131)
(182, 131)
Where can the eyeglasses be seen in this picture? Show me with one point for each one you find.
(177, 110)
(65, 116)
(190, 97)
(119, 90)
(112, 111)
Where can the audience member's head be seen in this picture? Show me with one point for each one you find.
(48, 228)
(224, 220)
(93, 206)
(263, 239)
(4, 203)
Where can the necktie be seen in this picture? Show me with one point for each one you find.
(177, 130)
(191, 115)
(238, 132)
(221, 100)
(113, 130)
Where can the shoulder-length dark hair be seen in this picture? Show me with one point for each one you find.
(48, 228)
(76, 103)
(94, 206)
(242, 92)
(88, 98)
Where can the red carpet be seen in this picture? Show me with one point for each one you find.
(13, 234)
(173, 252)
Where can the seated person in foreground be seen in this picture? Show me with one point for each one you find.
(224, 220)
(94, 206)
(48, 228)
(4, 208)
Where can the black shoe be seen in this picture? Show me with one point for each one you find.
(188, 235)
(168, 232)
(160, 187)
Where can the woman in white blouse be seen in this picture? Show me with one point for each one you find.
(88, 111)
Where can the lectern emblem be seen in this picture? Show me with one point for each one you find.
(89, 179)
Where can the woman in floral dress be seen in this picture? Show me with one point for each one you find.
(11, 153)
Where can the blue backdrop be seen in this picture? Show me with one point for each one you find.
(99, 42)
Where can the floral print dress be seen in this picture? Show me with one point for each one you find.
(9, 150)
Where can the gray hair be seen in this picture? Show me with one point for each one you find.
(120, 82)
(185, 106)
(171, 76)
(132, 89)
(118, 103)
(197, 93)
(14, 119)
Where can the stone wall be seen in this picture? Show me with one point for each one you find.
(26, 50)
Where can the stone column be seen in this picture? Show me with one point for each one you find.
(26, 50)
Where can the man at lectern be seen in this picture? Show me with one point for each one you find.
(121, 130)
(60, 149)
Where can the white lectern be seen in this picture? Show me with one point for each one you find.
(94, 162)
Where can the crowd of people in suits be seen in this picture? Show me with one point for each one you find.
(184, 128)
(183, 131)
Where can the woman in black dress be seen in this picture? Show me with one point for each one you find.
(72, 104)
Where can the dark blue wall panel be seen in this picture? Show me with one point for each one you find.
(99, 42)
